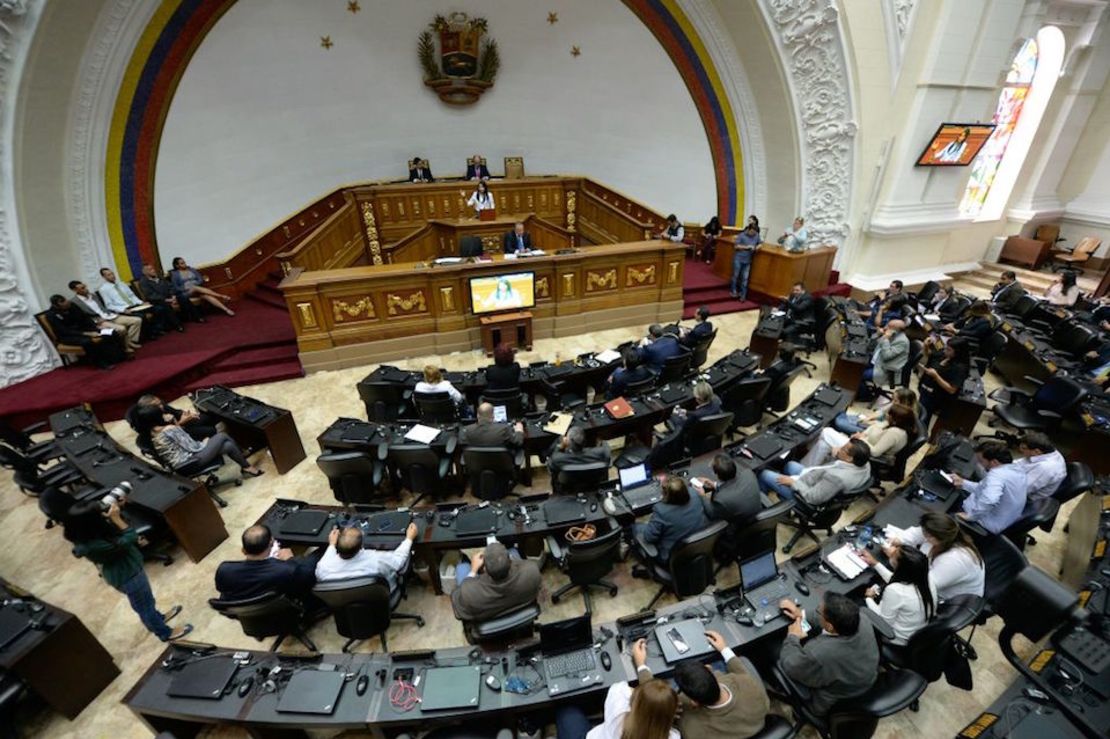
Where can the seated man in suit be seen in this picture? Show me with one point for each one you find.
(571, 449)
(658, 347)
(799, 312)
(71, 325)
(493, 583)
(488, 432)
(129, 326)
(120, 298)
(1007, 292)
(867, 310)
(733, 496)
(707, 404)
(476, 168)
(850, 469)
(720, 706)
(701, 330)
(517, 240)
(419, 171)
(840, 660)
(945, 305)
(200, 426)
(264, 570)
(345, 557)
(160, 291)
(631, 371)
(675, 517)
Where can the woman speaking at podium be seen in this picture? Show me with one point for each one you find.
(481, 200)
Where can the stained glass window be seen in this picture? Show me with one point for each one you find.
(1011, 102)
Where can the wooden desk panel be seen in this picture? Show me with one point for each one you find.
(350, 316)
(775, 270)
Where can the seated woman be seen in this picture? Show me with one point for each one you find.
(184, 454)
(1063, 290)
(977, 324)
(504, 373)
(885, 439)
(675, 517)
(909, 599)
(707, 249)
(433, 382)
(955, 565)
(851, 423)
(190, 282)
(943, 376)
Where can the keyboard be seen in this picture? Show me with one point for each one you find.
(767, 595)
(1089, 651)
(569, 663)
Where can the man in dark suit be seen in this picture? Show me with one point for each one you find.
(946, 305)
(1007, 292)
(703, 329)
(160, 291)
(799, 312)
(678, 515)
(633, 370)
(516, 240)
(733, 496)
(71, 325)
(572, 449)
(259, 572)
(476, 168)
(419, 171)
(659, 347)
(488, 432)
(707, 404)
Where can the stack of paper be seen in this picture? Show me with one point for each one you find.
(423, 434)
(559, 424)
(607, 356)
(846, 562)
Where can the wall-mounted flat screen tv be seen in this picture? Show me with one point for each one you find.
(955, 144)
(503, 292)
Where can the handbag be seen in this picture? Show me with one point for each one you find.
(581, 533)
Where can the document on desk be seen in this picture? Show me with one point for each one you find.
(846, 562)
(778, 313)
(559, 424)
(423, 434)
(607, 356)
(105, 332)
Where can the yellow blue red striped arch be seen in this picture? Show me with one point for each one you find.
(178, 27)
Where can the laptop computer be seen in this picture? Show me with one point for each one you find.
(681, 640)
(763, 446)
(13, 624)
(312, 691)
(303, 523)
(569, 662)
(389, 522)
(206, 678)
(674, 393)
(451, 687)
(635, 476)
(827, 396)
(360, 433)
(759, 579)
(476, 521)
(563, 509)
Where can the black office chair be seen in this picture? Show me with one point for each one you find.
(435, 408)
(676, 368)
(1002, 562)
(266, 615)
(363, 608)
(493, 472)
(1039, 513)
(894, 470)
(667, 449)
(988, 351)
(586, 563)
(707, 433)
(512, 400)
(700, 351)
(639, 387)
(745, 400)
(745, 539)
(40, 452)
(1078, 480)
(930, 648)
(1044, 410)
(355, 477)
(12, 690)
(385, 401)
(1073, 337)
(927, 292)
(420, 469)
(31, 478)
(1023, 307)
(470, 246)
(809, 517)
(689, 570)
(519, 623)
(777, 399)
(581, 478)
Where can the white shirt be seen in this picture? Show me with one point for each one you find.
(903, 609)
(118, 297)
(795, 240)
(677, 235)
(94, 305)
(443, 386)
(367, 563)
(1043, 474)
(955, 572)
(618, 704)
(479, 201)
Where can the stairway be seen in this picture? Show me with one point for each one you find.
(258, 364)
(268, 292)
(978, 283)
(701, 287)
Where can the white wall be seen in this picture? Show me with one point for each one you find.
(265, 120)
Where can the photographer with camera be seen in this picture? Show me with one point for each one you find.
(101, 535)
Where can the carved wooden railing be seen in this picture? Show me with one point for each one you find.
(605, 216)
(419, 246)
(337, 242)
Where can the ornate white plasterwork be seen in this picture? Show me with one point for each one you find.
(810, 41)
(24, 349)
(707, 22)
(897, 15)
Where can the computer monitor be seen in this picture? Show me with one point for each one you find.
(503, 292)
(757, 570)
(634, 476)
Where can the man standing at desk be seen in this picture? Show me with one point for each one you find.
(517, 240)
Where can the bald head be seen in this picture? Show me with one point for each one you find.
(485, 412)
(350, 542)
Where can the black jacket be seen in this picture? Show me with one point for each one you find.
(479, 171)
(250, 578)
(71, 324)
(799, 309)
(503, 378)
(508, 242)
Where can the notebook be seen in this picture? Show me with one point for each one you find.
(619, 408)
(563, 509)
(827, 396)
(303, 523)
(390, 522)
(764, 446)
(672, 394)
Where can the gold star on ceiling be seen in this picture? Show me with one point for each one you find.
(326, 42)
(353, 6)
(575, 51)
(552, 18)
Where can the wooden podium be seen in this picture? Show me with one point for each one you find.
(511, 329)
(775, 270)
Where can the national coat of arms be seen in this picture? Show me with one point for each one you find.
(466, 66)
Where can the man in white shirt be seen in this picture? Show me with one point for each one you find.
(120, 298)
(130, 326)
(794, 239)
(1044, 466)
(345, 558)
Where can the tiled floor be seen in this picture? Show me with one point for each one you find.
(40, 560)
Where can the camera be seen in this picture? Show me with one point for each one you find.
(116, 495)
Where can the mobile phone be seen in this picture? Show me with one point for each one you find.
(676, 640)
(491, 539)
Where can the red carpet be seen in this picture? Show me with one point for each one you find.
(256, 345)
(701, 287)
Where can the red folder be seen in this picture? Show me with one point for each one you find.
(619, 408)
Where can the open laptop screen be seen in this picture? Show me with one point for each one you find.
(758, 570)
(634, 476)
(565, 636)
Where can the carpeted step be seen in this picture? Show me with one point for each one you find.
(283, 370)
(720, 307)
(267, 300)
(256, 357)
(269, 286)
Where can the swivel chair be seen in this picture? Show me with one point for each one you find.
(435, 408)
(745, 400)
(929, 649)
(581, 478)
(586, 563)
(30, 477)
(493, 472)
(676, 368)
(354, 476)
(363, 608)
(639, 387)
(823, 516)
(385, 401)
(517, 623)
(700, 351)
(419, 468)
(1044, 410)
(745, 539)
(707, 433)
(512, 400)
(266, 615)
(689, 570)
(1039, 513)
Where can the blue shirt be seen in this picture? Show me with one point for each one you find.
(996, 501)
(748, 242)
